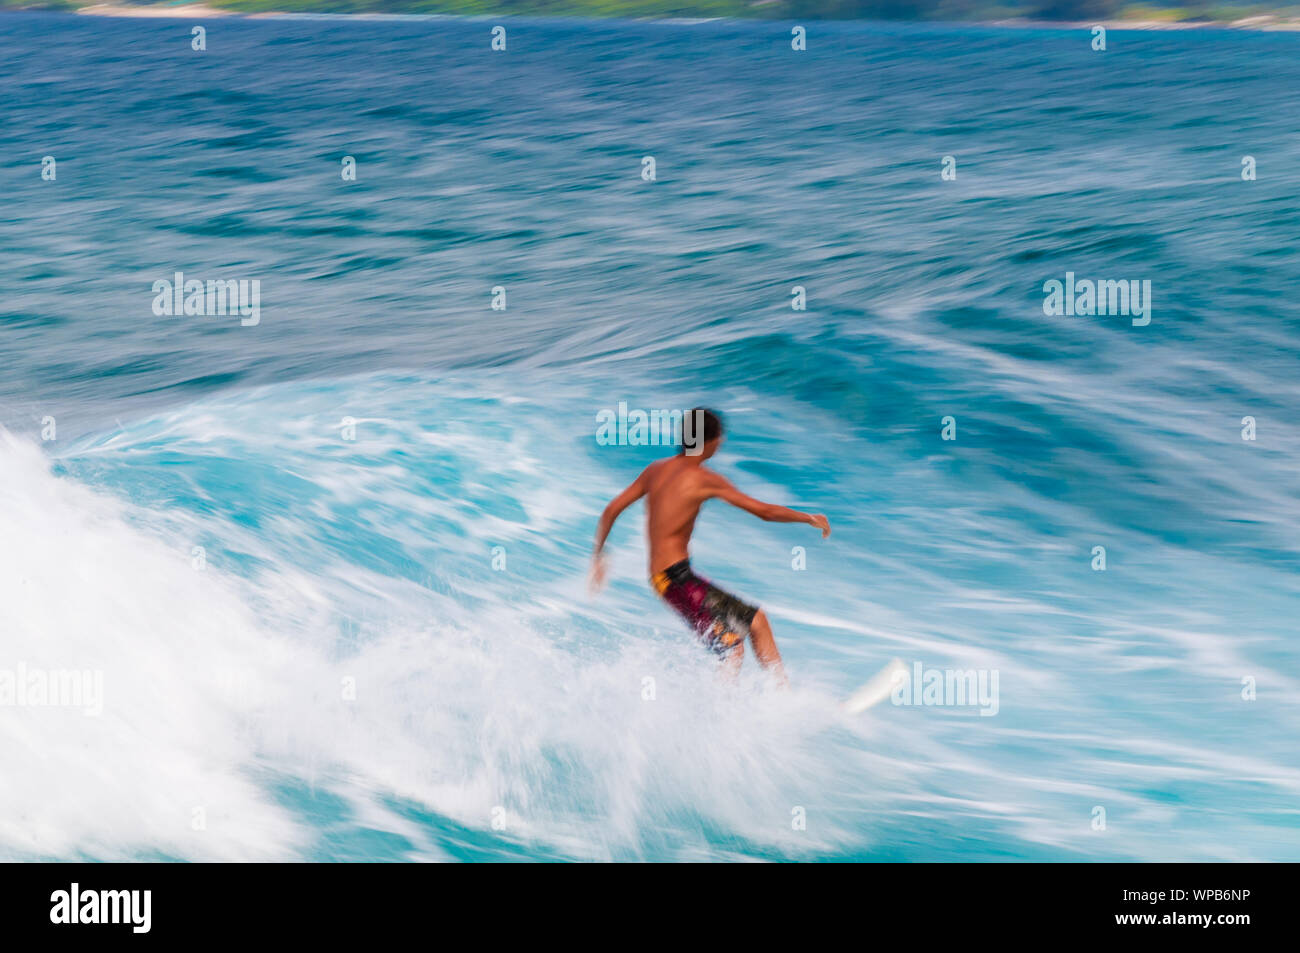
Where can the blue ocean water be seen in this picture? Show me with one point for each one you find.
(382, 648)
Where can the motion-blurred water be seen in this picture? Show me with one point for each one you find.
(500, 713)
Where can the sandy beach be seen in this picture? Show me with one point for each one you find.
(180, 11)
(1266, 22)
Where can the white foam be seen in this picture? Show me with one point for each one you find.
(222, 691)
(82, 589)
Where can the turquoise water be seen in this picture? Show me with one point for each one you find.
(307, 648)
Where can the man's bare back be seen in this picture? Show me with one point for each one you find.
(675, 491)
(675, 488)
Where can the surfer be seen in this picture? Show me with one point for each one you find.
(674, 489)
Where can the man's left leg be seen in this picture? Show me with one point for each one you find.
(730, 668)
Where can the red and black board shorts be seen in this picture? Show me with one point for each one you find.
(720, 619)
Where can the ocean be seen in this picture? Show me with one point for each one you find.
(328, 566)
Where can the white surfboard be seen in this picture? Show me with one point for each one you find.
(880, 686)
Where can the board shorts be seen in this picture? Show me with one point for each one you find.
(720, 619)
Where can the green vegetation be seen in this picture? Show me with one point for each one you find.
(1219, 10)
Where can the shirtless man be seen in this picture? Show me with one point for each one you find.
(675, 488)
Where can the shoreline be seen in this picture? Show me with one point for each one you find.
(184, 11)
(180, 11)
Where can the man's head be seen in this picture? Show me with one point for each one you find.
(701, 433)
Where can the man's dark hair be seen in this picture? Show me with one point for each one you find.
(699, 426)
(712, 424)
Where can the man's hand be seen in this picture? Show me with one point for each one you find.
(599, 570)
(616, 506)
(769, 512)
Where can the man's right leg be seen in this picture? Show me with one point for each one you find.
(760, 636)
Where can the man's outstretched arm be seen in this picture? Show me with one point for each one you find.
(769, 512)
(616, 506)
